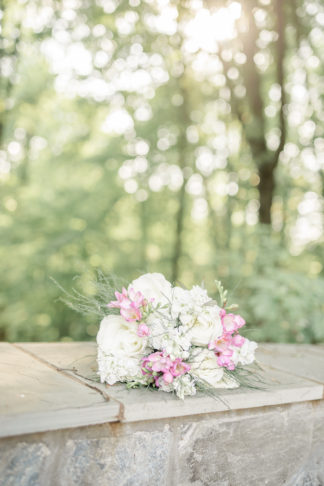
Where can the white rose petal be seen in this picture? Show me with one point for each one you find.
(120, 350)
(227, 382)
(153, 286)
(118, 337)
(204, 366)
(207, 327)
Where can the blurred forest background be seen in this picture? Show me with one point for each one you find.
(184, 137)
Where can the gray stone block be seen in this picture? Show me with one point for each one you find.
(264, 448)
(318, 414)
(306, 479)
(21, 463)
(312, 471)
(126, 460)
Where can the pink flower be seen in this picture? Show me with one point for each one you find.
(240, 321)
(160, 362)
(223, 350)
(222, 313)
(222, 344)
(167, 377)
(137, 298)
(157, 380)
(131, 313)
(179, 368)
(121, 298)
(225, 360)
(143, 330)
(160, 366)
(157, 362)
(129, 303)
(231, 322)
(146, 366)
(238, 340)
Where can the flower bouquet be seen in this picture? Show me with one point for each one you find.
(170, 338)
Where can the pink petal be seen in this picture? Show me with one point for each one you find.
(167, 377)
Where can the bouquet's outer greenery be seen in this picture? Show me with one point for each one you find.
(103, 292)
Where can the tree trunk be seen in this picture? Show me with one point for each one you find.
(182, 156)
(177, 250)
(184, 122)
(143, 217)
(253, 121)
(266, 189)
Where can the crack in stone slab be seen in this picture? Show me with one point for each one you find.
(70, 373)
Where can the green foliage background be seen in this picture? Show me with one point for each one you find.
(173, 187)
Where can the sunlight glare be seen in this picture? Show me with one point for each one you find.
(209, 28)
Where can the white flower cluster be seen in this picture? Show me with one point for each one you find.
(171, 338)
(198, 314)
(114, 368)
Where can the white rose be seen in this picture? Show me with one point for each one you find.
(118, 337)
(204, 327)
(153, 286)
(247, 351)
(204, 366)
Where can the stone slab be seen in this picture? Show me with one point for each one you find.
(66, 418)
(77, 357)
(305, 361)
(150, 405)
(35, 397)
(138, 405)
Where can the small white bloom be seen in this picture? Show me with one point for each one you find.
(165, 336)
(184, 385)
(194, 299)
(112, 369)
(198, 313)
(247, 352)
(166, 387)
(153, 286)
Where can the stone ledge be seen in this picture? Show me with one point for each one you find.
(274, 446)
(46, 386)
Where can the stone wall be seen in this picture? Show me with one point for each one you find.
(273, 446)
(60, 428)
